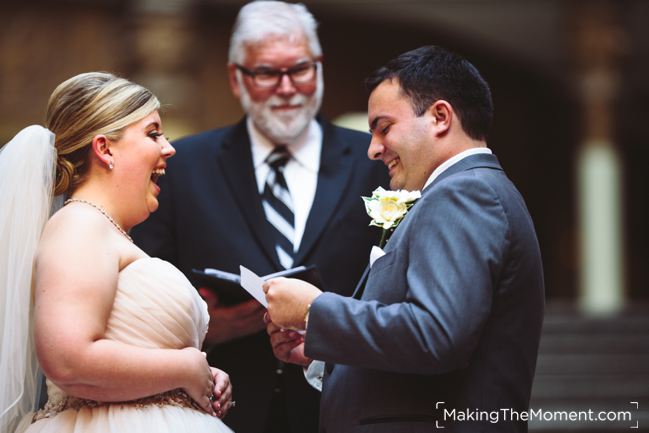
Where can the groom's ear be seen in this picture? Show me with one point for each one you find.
(441, 116)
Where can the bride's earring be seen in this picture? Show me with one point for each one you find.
(110, 165)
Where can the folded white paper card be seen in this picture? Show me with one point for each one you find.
(375, 254)
(253, 285)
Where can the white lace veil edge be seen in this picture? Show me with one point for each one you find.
(27, 172)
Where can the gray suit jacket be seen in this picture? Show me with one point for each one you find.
(450, 317)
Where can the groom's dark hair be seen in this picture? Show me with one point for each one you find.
(431, 73)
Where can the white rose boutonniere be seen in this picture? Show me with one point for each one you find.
(387, 209)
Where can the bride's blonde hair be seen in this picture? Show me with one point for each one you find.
(87, 105)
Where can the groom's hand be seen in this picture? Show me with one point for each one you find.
(289, 300)
(231, 322)
(288, 346)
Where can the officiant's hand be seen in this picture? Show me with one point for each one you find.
(288, 346)
(231, 322)
(289, 300)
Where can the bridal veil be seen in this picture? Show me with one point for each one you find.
(27, 173)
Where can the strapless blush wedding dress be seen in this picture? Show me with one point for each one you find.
(155, 306)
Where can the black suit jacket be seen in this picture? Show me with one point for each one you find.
(210, 215)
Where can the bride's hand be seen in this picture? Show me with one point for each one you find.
(222, 391)
(200, 380)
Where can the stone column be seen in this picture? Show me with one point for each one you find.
(599, 45)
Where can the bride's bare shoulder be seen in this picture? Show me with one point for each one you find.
(73, 233)
(73, 223)
(80, 234)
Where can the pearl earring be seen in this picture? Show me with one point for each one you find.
(110, 165)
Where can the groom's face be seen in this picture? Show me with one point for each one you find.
(402, 140)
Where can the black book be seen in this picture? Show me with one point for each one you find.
(228, 285)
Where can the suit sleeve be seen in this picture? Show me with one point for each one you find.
(448, 259)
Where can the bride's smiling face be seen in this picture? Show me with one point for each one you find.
(140, 159)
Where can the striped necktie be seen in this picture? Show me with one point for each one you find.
(278, 205)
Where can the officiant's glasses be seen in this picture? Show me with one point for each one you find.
(302, 73)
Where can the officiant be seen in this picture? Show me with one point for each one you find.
(280, 188)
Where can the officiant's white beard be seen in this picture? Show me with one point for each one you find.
(282, 127)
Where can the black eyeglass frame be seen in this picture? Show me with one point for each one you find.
(279, 73)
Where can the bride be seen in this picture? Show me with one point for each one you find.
(116, 333)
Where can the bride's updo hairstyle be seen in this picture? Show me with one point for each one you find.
(87, 105)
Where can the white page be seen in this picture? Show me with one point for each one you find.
(253, 285)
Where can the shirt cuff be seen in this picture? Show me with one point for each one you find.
(314, 374)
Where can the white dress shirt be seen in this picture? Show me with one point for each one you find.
(454, 160)
(301, 171)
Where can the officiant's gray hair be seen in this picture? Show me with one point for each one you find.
(259, 19)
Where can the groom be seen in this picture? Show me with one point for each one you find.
(444, 331)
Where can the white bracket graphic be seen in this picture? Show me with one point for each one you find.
(637, 406)
(437, 426)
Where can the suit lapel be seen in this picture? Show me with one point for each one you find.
(235, 159)
(333, 175)
(360, 286)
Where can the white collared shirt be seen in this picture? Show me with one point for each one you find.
(301, 171)
(454, 160)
